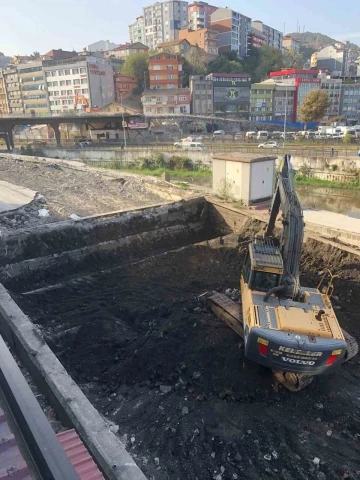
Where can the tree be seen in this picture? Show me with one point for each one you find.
(136, 65)
(222, 64)
(314, 106)
(194, 64)
(270, 60)
(293, 60)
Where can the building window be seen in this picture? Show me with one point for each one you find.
(68, 82)
(84, 91)
(55, 84)
(61, 73)
(82, 70)
(69, 92)
(62, 83)
(182, 97)
(76, 81)
(67, 72)
(64, 102)
(75, 71)
(48, 74)
(83, 81)
(63, 92)
(50, 84)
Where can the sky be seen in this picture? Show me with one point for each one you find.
(40, 25)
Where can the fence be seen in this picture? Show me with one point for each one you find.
(133, 165)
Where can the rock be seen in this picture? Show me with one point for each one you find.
(316, 461)
(275, 455)
(182, 367)
(197, 310)
(235, 476)
(267, 457)
(212, 455)
(222, 469)
(196, 375)
(165, 389)
(329, 433)
(157, 461)
(238, 458)
(222, 395)
(113, 395)
(185, 410)
(132, 440)
(320, 273)
(319, 406)
(177, 387)
(217, 477)
(321, 476)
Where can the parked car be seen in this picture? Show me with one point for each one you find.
(275, 135)
(194, 146)
(83, 144)
(238, 136)
(219, 134)
(268, 145)
(184, 140)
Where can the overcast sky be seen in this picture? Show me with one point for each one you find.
(40, 25)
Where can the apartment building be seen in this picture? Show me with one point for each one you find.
(199, 15)
(333, 58)
(350, 102)
(257, 38)
(204, 38)
(231, 93)
(123, 51)
(100, 46)
(163, 20)
(271, 100)
(303, 80)
(13, 91)
(201, 91)
(332, 86)
(274, 38)
(165, 70)
(124, 86)
(290, 44)
(137, 30)
(233, 31)
(3, 96)
(180, 46)
(166, 101)
(89, 76)
(33, 88)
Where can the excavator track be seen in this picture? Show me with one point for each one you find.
(230, 312)
(296, 382)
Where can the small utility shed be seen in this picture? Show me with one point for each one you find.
(248, 178)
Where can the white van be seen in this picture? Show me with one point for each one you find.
(219, 133)
(250, 134)
(194, 146)
(262, 135)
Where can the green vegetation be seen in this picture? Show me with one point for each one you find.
(203, 173)
(136, 65)
(317, 182)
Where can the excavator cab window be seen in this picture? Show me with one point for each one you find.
(247, 269)
(264, 281)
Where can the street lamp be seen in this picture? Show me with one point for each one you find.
(286, 104)
(123, 120)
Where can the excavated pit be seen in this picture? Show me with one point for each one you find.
(127, 324)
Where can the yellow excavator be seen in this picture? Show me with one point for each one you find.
(287, 327)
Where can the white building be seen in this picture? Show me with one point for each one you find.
(101, 46)
(137, 31)
(274, 38)
(89, 76)
(163, 20)
(332, 86)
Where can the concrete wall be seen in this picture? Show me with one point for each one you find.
(26, 257)
(319, 163)
(127, 156)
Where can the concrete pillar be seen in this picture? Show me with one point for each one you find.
(56, 128)
(10, 138)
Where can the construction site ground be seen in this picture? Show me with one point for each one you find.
(174, 381)
(65, 190)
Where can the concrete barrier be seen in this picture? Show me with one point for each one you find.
(72, 406)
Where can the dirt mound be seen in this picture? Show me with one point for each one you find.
(175, 380)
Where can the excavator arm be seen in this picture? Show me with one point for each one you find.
(291, 239)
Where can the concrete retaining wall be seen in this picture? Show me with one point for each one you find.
(72, 406)
(72, 246)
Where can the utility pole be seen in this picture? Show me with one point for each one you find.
(123, 120)
(286, 104)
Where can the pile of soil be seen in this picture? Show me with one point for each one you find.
(71, 191)
(188, 404)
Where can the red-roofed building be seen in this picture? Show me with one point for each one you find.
(303, 80)
(165, 70)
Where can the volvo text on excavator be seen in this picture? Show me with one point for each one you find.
(289, 328)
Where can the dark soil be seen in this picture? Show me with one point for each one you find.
(142, 329)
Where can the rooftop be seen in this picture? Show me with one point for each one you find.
(238, 157)
(136, 45)
(172, 43)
